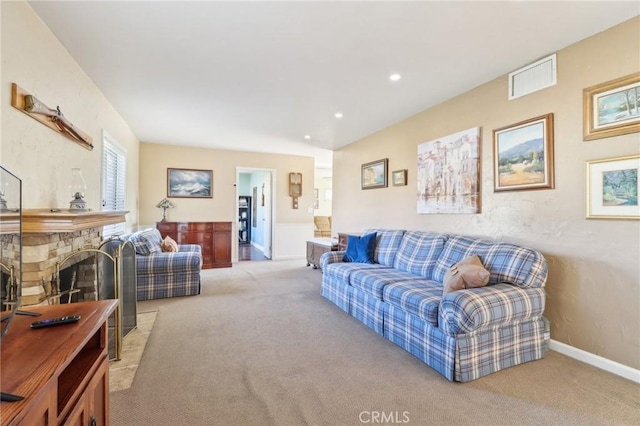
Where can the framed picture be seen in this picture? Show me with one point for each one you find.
(612, 188)
(448, 174)
(612, 108)
(399, 177)
(523, 155)
(374, 174)
(189, 183)
(316, 204)
(315, 193)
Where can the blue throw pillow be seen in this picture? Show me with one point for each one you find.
(360, 249)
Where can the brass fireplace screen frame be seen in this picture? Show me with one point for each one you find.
(121, 256)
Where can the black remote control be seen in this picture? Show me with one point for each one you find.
(55, 321)
(8, 397)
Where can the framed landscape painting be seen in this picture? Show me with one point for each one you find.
(612, 108)
(374, 174)
(189, 183)
(523, 155)
(612, 188)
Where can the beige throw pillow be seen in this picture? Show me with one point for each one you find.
(468, 273)
(169, 245)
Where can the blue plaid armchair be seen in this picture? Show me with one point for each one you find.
(161, 274)
(464, 334)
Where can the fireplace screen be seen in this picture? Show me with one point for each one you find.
(125, 256)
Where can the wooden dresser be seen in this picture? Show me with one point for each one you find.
(62, 371)
(213, 237)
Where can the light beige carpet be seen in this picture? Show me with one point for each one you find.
(260, 346)
(122, 373)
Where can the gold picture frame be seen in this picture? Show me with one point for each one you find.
(523, 155)
(612, 188)
(399, 177)
(612, 108)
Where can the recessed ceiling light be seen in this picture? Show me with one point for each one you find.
(395, 77)
(307, 136)
(339, 115)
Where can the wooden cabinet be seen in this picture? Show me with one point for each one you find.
(317, 247)
(213, 237)
(62, 372)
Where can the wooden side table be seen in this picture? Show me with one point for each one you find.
(343, 238)
(317, 247)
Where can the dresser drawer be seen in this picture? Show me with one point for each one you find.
(195, 237)
(221, 226)
(195, 226)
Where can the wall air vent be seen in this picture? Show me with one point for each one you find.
(537, 76)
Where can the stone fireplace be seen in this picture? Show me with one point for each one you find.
(50, 237)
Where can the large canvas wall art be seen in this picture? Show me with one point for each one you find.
(448, 174)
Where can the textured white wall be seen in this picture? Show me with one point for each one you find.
(593, 289)
(34, 59)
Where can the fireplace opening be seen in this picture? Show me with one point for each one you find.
(8, 291)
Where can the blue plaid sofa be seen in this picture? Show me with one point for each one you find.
(161, 274)
(464, 335)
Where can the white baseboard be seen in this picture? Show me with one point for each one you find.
(290, 257)
(595, 360)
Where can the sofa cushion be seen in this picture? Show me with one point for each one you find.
(419, 252)
(468, 273)
(342, 271)
(169, 245)
(507, 263)
(147, 241)
(373, 281)
(387, 244)
(360, 249)
(419, 297)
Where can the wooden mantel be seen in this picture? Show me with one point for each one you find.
(43, 221)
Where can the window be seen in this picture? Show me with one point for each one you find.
(114, 166)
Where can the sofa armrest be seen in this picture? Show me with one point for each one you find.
(169, 263)
(331, 257)
(464, 311)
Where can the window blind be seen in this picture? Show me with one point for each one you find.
(114, 166)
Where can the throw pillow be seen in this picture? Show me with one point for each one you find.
(360, 249)
(169, 245)
(468, 273)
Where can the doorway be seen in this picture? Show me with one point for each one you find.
(254, 213)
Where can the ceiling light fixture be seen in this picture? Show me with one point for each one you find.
(307, 136)
(339, 115)
(395, 77)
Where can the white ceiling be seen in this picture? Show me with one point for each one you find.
(258, 76)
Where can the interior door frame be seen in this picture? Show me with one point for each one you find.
(273, 176)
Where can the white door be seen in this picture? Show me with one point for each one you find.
(267, 214)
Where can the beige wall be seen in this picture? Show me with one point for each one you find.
(593, 291)
(324, 182)
(34, 59)
(156, 158)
